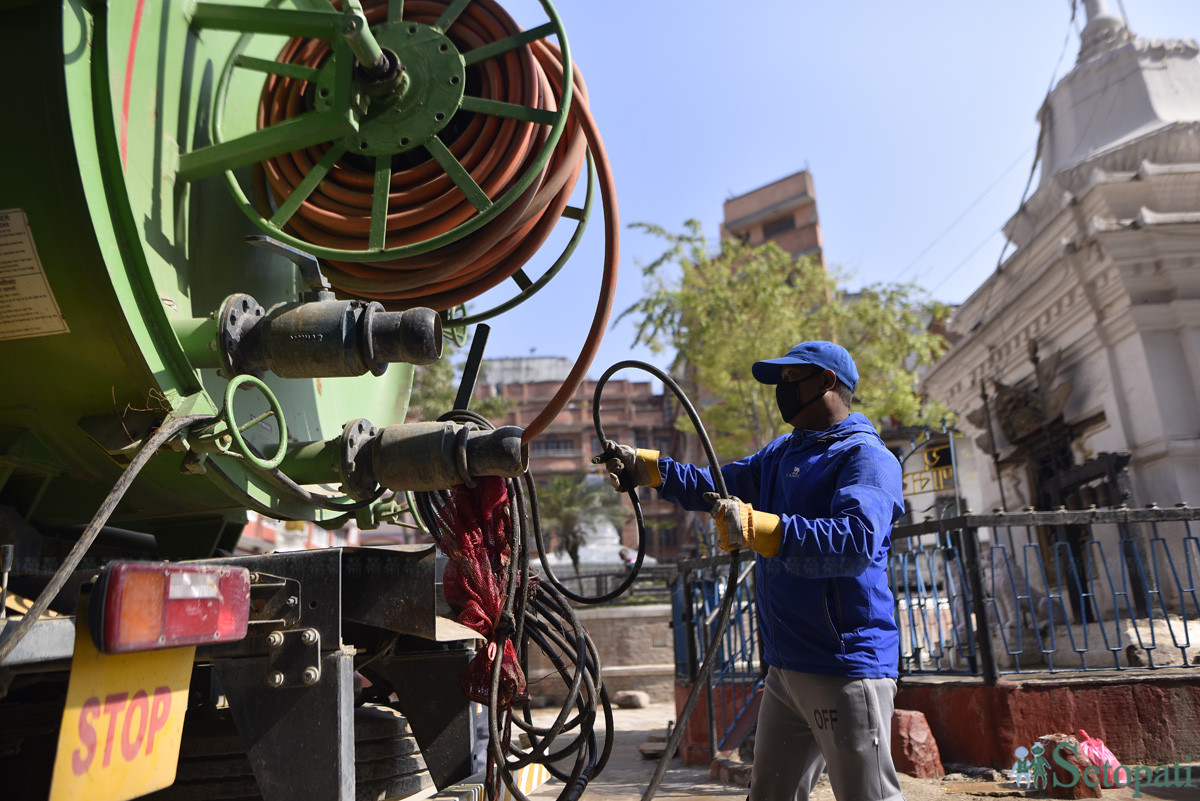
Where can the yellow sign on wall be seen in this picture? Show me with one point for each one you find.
(123, 721)
(937, 473)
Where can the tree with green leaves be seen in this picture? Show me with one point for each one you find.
(570, 506)
(436, 385)
(721, 310)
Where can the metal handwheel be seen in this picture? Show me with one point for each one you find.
(235, 431)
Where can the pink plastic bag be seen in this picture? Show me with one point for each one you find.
(1096, 752)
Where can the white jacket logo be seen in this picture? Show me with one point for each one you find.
(795, 472)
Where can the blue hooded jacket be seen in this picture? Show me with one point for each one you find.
(824, 605)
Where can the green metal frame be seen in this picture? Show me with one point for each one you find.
(135, 261)
(527, 287)
(138, 248)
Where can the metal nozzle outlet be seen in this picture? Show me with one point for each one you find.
(436, 456)
(413, 336)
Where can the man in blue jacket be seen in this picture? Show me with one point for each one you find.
(817, 506)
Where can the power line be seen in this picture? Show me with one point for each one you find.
(966, 211)
(1047, 121)
(964, 262)
(1072, 23)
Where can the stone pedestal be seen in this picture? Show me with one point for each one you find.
(1061, 781)
(914, 749)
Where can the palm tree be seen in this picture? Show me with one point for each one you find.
(570, 505)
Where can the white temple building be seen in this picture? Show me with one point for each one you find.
(1077, 367)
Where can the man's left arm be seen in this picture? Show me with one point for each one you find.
(865, 501)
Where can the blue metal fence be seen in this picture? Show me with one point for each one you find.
(732, 700)
(986, 595)
(1102, 589)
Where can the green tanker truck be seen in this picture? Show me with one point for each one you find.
(230, 233)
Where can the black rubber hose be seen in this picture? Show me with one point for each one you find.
(553, 642)
(631, 576)
(554, 639)
(706, 668)
(328, 504)
(497, 746)
(585, 686)
(586, 678)
(159, 438)
(284, 482)
(542, 737)
(734, 565)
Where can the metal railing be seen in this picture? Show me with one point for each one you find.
(985, 595)
(737, 674)
(1102, 589)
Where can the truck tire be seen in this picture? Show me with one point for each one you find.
(213, 765)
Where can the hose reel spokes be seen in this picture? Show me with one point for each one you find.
(422, 149)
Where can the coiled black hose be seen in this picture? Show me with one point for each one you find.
(731, 587)
(536, 613)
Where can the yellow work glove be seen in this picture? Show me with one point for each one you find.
(740, 526)
(629, 468)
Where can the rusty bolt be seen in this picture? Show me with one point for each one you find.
(311, 675)
(292, 600)
(275, 639)
(309, 636)
(275, 678)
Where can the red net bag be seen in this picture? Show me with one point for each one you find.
(477, 537)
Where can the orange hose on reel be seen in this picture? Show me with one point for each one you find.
(423, 200)
(608, 283)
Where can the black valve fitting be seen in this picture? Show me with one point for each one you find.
(428, 456)
(324, 338)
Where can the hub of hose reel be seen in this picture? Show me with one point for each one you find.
(412, 102)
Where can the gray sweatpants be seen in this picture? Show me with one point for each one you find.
(808, 723)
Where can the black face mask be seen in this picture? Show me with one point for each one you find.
(787, 397)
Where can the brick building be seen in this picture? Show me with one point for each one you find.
(631, 413)
(783, 211)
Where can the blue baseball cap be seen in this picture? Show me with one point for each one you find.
(825, 355)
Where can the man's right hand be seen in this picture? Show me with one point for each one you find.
(629, 468)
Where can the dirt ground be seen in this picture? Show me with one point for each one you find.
(628, 774)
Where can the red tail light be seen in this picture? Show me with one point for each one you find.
(142, 606)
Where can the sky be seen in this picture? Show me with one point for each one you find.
(916, 121)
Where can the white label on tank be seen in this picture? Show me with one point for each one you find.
(27, 306)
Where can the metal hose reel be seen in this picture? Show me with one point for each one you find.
(422, 150)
